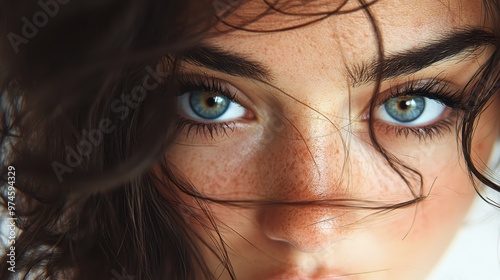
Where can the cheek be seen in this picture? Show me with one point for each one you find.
(221, 169)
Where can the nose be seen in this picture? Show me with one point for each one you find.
(305, 175)
(308, 229)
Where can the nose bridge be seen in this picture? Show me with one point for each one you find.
(305, 167)
(308, 160)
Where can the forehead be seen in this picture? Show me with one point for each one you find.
(323, 38)
(265, 15)
(340, 28)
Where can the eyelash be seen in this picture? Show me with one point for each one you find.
(433, 89)
(210, 84)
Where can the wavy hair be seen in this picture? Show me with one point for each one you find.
(84, 118)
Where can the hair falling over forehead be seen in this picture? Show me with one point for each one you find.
(81, 107)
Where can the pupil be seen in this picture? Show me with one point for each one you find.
(405, 104)
(211, 102)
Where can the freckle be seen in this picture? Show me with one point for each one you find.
(301, 182)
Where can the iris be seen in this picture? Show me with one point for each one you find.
(405, 108)
(208, 105)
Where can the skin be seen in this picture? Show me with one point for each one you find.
(312, 143)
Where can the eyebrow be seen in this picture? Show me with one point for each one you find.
(226, 62)
(407, 62)
(403, 63)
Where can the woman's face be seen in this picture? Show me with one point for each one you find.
(301, 132)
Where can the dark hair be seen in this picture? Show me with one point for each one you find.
(81, 98)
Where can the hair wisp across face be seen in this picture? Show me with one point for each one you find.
(340, 154)
(282, 139)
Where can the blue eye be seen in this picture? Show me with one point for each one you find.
(410, 110)
(406, 108)
(209, 106)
